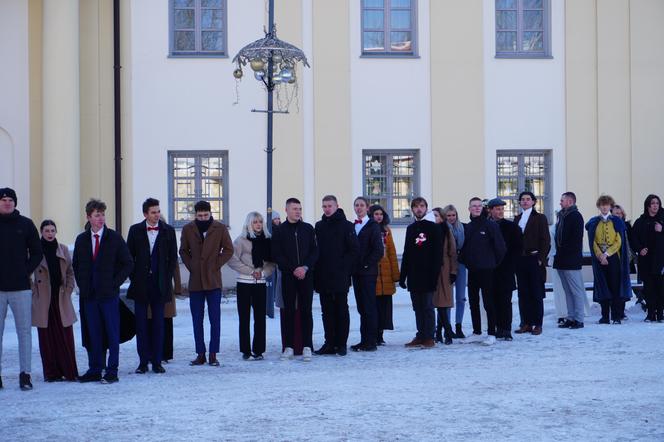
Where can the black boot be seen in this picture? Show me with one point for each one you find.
(439, 334)
(448, 334)
(459, 333)
(24, 381)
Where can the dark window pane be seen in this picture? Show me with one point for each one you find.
(533, 20)
(211, 3)
(376, 186)
(506, 20)
(532, 41)
(373, 3)
(401, 41)
(373, 20)
(211, 19)
(506, 41)
(373, 42)
(212, 41)
(184, 19)
(505, 4)
(184, 3)
(400, 20)
(185, 41)
(400, 3)
(533, 4)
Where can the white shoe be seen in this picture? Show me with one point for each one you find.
(490, 340)
(287, 354)
(473, 338)
(306, 354)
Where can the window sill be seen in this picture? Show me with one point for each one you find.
(392, 56)
(197, 56)
(524, 56)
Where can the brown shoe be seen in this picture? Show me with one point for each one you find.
(416, 342)
(213, 360)
(537, 330)
(523, 329)
(428, 343)
(200, 360)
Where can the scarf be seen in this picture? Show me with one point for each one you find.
(203, 226)
(458, 233)
(558, 235)
(260, 250)
(55, 275)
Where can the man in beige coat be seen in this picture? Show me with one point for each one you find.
(205, 246)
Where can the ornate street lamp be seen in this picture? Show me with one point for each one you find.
(273, 62)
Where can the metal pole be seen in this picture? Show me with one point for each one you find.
(270, 105)
(117, 116)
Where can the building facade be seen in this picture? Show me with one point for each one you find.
(438, 98)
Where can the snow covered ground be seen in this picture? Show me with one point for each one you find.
(599, 383)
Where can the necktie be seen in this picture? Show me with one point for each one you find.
(358, 221)
(150, 229)
(94, 255)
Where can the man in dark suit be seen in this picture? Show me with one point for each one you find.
(101, 264)
(531, 266)
(420, 266)
(365, 275)
(153, 247)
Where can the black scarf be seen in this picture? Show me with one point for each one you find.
(203, 226)
(558, 236)
(55, 275)
(261, 249)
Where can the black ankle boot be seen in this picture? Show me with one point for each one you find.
(448, 335)
(459, 333)
(439, 334)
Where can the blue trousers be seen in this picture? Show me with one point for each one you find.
(103, 317)
(459, 294)
(150, 334)
(197, 302)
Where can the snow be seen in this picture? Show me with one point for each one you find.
(601, 382)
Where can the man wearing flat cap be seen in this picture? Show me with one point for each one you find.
(20, 255)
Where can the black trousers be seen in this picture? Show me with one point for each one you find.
(442, 322)
(168, 339)
(365, 296)
(251, 296)
(298, 294)
(653, 288)
(531, 290)
(425, 318)
(481, 279)
(615, 306)
(336, 318)
(503, 303)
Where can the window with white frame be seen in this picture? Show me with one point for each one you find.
(391, 179)
(198, 28)
(523, 28)
(389, 27)
(195, 176)
(519, 171)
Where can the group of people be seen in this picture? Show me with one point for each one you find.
(291, 259)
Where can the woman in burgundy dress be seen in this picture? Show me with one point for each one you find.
(52, 310)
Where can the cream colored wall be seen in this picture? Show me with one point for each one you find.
(126, 114)
(35, 24)
(457, 101)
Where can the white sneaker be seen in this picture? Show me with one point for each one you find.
(287, 354)
(472, 338)
(306, 354)
(490, 340)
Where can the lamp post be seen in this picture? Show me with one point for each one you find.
(273, 62)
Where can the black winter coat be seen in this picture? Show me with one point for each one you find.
(101, 278)
(422, 257)
(569, 242)
(167, 258)
(20, 251)
(372, 249)
(645, 236)
(504, 273)
(294, 245)
(484, 246)
(338, 251)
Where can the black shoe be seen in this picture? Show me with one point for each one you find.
(341, 351)
(89, 377)
(562, 321)
(246, 356)
(439, 335)
(617, 321)
(55, 379)
(380, 342)
(603, 321)
(158, 369)
(24, 381)
(576, 325)
(110, 378)
(507, 336)
(0, 382)
(326, 349)
(257, 357)
(566, 324)
(356, 347)
(459, 333)
(142, 369)
(448, 340)
(367, 348)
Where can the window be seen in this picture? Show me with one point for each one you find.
(198, 28)
(195, 176)
(389, 27)
(522, 28)
(519, 171)
(391, 179)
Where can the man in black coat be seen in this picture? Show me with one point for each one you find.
(504, 282)
(295, 251)
(153, 247)
(483, 250)
(21, 254)
(366, 273)
(420, 267)
(101, 264)
(647, 242)
(338, 250)
(568, 259)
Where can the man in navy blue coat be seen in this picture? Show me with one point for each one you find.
(101, 264)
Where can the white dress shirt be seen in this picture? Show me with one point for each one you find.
(525, 215)
(359, 226)
(92, 237)
(152, 235)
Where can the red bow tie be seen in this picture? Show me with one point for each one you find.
(358, 221)
(153, 228)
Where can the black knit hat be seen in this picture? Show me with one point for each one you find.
(10, 193)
